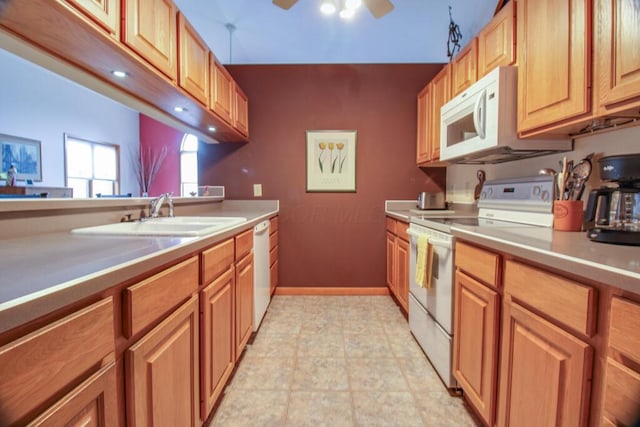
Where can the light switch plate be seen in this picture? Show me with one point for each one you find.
(257, 190)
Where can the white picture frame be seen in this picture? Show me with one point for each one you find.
(331, 161)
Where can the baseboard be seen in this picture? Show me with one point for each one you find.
(319, 290)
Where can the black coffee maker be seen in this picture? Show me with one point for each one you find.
(616, 210)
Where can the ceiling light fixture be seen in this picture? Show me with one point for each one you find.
(179, 109)
(352, 4)
(347, 13)
(328, 7)
(119, 74)
(212, 128)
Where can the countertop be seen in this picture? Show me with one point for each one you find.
(570, 252)
(71, 267)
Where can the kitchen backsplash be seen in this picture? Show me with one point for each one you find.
(461, 179)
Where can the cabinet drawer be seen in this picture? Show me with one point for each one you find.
(391, 225)
(567, 301)
(147, 301)
(624, 328)
(621, 395)
(49, 362)
(401, 230)
(479, 263)
(244, 244)
(273, 225)
(216, 260)
(273, 255)
(273, 240)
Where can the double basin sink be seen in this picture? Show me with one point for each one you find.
(165, 226)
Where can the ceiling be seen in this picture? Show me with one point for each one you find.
(416, 31)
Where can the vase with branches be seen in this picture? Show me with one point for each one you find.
(146, 164)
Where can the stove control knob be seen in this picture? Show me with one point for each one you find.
(483, 195)
(544, 195)
(536, 190)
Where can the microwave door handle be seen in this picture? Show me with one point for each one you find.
(479, 118)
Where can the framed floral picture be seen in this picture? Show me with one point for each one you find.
(331, 161)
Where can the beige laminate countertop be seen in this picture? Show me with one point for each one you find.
(42, 273)
(573, 253)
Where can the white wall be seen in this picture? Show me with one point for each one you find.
(38, 104)
(461, 179)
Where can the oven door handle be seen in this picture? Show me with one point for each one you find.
(434, 242)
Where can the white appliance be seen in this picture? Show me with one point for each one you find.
(480, 124)
(518, 202)
(261, 292)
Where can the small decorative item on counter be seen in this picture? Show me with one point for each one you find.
(11, 176)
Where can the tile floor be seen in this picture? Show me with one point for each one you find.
(336, 361)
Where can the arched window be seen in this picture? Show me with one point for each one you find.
(189, 165)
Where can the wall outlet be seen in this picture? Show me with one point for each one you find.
(257, 190)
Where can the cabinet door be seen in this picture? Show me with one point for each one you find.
(241, 112)
(554, 61)
(193, 74)
(441, 95)
(105, 13)
(162, 372)
(222, 91)
(617, 72)
(150, 29)
(621, 395)
(93, 403)
(391, 262)
(402, 272)
(244, 303)
(475, 343)
(216, 332)
(273, 276)
(496, 41)
(424, 125)
(464, 70)
(545, 372)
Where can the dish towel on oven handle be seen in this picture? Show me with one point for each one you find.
(424, 263)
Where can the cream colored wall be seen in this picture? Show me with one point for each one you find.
(461, 179)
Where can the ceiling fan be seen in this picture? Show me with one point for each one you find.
(378, 8)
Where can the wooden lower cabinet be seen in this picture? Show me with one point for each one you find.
(391, 250)
(475, 348)
(545, 372)
(244, 303)
(273, 277)
(216, 338)
(162, 372)
(402, 272)
(93, 403)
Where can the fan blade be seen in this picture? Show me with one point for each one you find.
(379, 8)
(285, 4)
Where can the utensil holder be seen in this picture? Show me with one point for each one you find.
(567, 215)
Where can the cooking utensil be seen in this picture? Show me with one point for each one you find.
(481, 178)
(580, 173)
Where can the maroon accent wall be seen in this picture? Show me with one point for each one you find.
(327, 239)
(156, 135)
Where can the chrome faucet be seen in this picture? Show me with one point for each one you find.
(156, 205)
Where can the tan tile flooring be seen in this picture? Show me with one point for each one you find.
(336, 361)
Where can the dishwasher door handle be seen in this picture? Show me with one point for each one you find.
(434, 242)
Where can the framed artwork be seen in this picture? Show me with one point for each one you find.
(24, 154)
(331, 161)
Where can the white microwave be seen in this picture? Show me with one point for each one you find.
(480, 124)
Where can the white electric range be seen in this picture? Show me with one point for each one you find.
(524, 203)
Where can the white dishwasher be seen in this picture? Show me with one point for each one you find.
(261, 291)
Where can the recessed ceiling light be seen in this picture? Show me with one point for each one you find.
(120, 74)
(179, 109)
(328, 7)
(212, 128)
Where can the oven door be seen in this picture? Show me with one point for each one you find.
(437, 300)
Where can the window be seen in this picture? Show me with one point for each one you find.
(189, 165)
(91, 167)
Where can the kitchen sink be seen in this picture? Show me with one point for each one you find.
(166, 226)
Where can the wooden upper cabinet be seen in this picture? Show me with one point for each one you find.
(464, 70)
(554, 61)
(193, 73)
(104, 13)
(424, 117)
(241, 111)
(222, 91)
(441, 87)
(150, 28)
(496, 41)
(617, 63)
